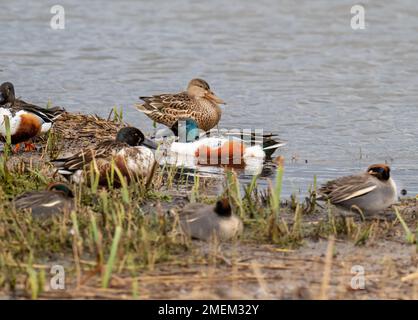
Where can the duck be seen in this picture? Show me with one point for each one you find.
(26, 120)
(219, 147)
(58, 198)
(206, 222)
(131, 152)
(198, 102)
(371, 192)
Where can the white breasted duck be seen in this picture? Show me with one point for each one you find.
(130, 152)
(372, 191)
(26, 120)
(216, 147)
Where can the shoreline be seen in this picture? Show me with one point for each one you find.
(282, 253)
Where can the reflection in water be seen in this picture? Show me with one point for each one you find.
(343, 99)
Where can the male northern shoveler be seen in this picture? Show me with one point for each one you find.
(372, 191)
(26, 120)
(198, 103)
(205, 222)
(129, 153)
(57, 198)
(222, 147)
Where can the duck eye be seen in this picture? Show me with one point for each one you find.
(379, 170)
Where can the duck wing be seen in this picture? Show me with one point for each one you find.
(42, 202)
(269, 141)
(69, 165)
(197, 221)
(168, 108)
(346, 188)
(47, 115)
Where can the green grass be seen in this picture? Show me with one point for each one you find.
(409, 235)
(126, 229)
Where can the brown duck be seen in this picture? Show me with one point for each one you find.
(198, 102)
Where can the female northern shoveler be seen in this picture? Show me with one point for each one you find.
(205, 222)
(371, 192)
(26, 120)
(198, 103)
(56, 199)
(234, 147)
(128, 152)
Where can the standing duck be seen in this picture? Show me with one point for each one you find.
(26, 120)
(129, 152)
(198, 102)
(203, 222)
(57, 198)
(371, 192)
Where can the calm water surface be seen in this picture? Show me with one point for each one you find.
(342, 98)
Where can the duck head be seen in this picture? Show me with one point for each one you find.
(200, 89)
(380, 171)
(134, 137)
(61, 188)
(223, 208)
(186, 130)
(7, 93)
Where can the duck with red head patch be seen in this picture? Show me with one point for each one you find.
(372, 191)
(27, 121)
(205, 222)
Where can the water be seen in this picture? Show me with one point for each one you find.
(342, 98)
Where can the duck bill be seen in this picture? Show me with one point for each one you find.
(149, 144)
(211, 96)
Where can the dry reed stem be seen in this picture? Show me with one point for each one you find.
(323, 295)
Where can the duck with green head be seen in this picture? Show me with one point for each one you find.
(130, 152)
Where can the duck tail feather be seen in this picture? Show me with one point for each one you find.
(271, 145)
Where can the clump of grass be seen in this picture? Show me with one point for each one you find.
(275, 194)
(53, 147)
(233, 188)
(310, 201)
(112, 257)
(117, 114)
(92, 231)
(409, 235)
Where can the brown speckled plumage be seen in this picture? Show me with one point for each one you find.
(198, 103)
(85, 130)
